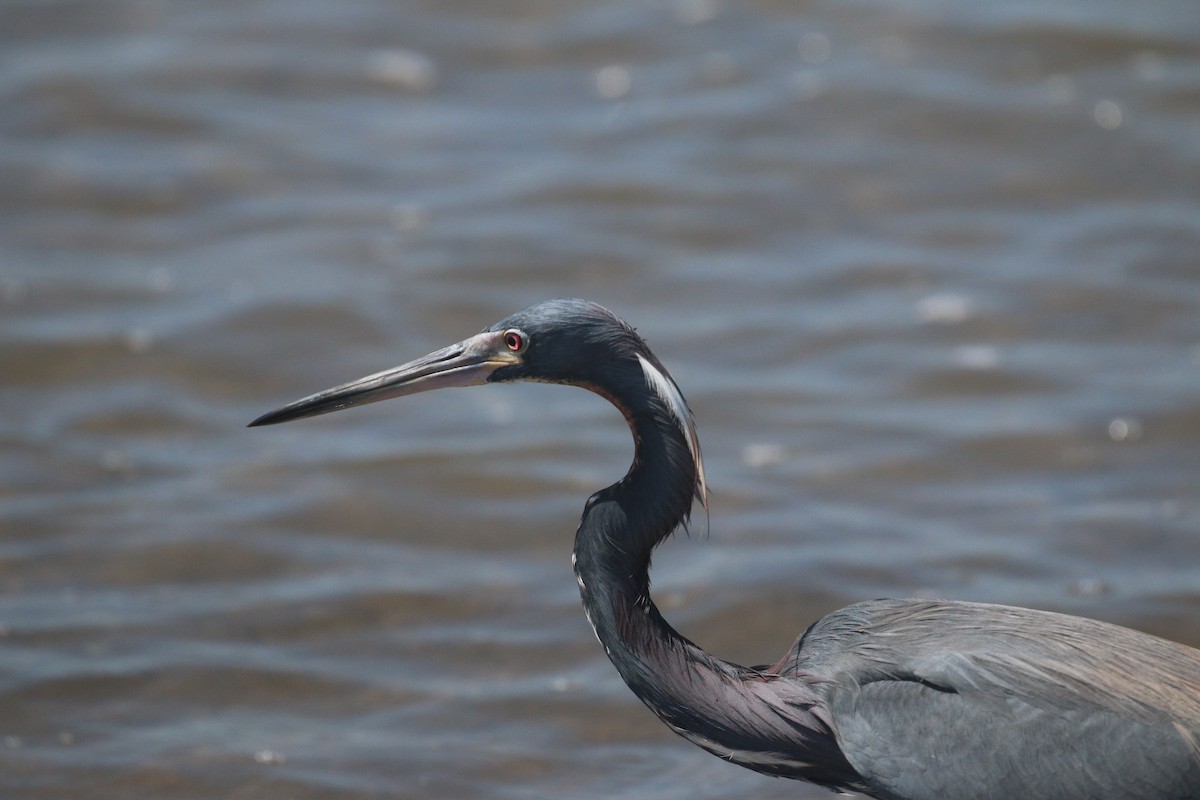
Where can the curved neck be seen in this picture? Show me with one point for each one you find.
(620, 528)
(757, 720)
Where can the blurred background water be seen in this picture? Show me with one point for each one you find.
(927, 272)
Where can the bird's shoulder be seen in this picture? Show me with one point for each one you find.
(981, 647)
(929, 698)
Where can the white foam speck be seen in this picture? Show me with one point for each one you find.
(613, 82)
(270, 757)
(944, 309)
(814, 48)
(977, 356)
(403, 69)
(1124, 429)
(760, 455)
(1108, 115)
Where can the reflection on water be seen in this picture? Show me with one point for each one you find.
(927, 275)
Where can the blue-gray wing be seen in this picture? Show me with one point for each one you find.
(933, 700)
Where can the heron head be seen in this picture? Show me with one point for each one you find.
(559, 341)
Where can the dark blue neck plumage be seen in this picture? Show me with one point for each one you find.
(738, 713)
(620, 528)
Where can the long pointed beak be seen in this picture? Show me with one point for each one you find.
(467, 363)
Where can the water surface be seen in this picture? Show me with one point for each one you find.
(927, 273)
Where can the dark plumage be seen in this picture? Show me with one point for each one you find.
(898, 699)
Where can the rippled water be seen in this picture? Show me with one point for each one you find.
(927, 272)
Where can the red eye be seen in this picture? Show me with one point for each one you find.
(514, 341)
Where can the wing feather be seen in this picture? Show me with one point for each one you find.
(935, 699)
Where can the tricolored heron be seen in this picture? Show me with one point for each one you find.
(897, 699)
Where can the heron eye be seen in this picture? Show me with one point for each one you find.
(514, 341)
